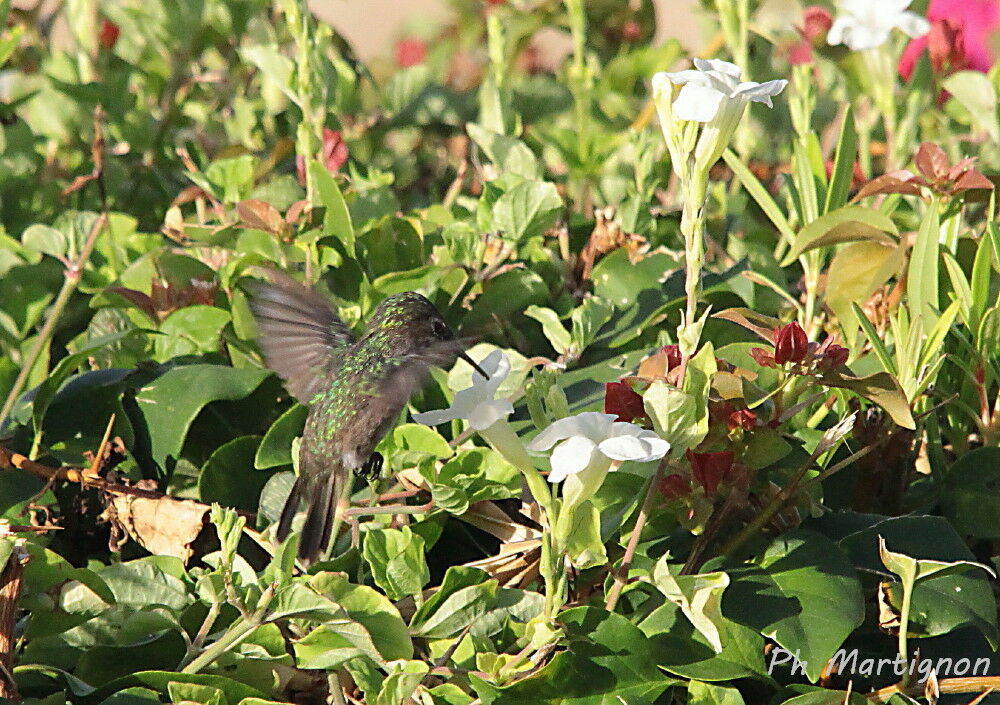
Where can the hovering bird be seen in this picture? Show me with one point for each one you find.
(354, 388)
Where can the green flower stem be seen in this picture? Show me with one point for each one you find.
(73, 273)
(234, 635)
(904, 625)
(695, 193)
(503, 439)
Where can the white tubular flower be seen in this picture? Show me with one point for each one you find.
(476, 404)
(593, 439)
(866, 24)
(713, 94)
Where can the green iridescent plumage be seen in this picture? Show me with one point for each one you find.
(355, 389)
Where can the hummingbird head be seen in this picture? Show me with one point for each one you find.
(410, 325)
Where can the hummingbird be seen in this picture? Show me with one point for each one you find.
(355, 388)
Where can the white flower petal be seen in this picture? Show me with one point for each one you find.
(697, 103)
(488, 413)
(590, 424)
(662, 83)
(641, 447)
(570, 457)
(689, 76)
(435, 417)
(723, 67)
(761, 92)
(913, 25)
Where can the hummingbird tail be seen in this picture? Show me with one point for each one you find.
(317, 528)
(289, 510)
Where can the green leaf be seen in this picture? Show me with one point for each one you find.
(337, 219)
(585, 548)
(527, 209)
(276, 447)
(977, 94)
(45, 240)
(698, 596)
(803, 594)
(396, 559)
(855, 272)
(587, 319)
(843, 164)
(847, 224)
(229, 477)
(608, 661)
(190, 331)
(971, 494)
(759, 194)
(553, 328)
(912, 570)
(880, 388)
(402, 679)
(681, 416)
(700, 693)
(509, 154)
(172, 401)
(922, 273)
(334, 643)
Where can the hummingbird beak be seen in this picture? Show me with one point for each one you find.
(474, 366)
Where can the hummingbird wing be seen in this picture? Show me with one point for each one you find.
(411, 370)
(300, 335)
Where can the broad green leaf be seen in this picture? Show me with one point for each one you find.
(192, 692)
(558, 336)
(855, 272)
(978, 95)
(329, 646)
(527, 209)
(396, 559)
(912, 570)
(275, 448)
(402, 679)
(190, 331)
(698, 596)
(46, 240)
(880, 388)
(700, 693)
(455, 578)
(587, 319)
(508, 153)
(585, 548)
(803, 593)
(847, 224)
(970, 497)
(337, 219)
(171, 402)
(681, 416)
(229, 477)
(371, 609)
(608, 661)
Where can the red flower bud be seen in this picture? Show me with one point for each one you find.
(790, 343)
(631, 31)
(710, 469)
(674, 357)
(333, 155)
(816, 22)
(833, 357)
(108, 34)
(620, 399)
(410, 52)
(674, 486)
(744, 418)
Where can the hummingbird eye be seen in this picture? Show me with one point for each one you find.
(441, 330)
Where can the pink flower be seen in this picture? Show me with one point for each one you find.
(974, 21)
(333, 156)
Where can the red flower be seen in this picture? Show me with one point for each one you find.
(631, 31)
(108, 34)
(976, 20)
(333, 155)
(410, 52)
(674, 486)
(790, 343)
(710, 469)
(620, 399)
(744, 418)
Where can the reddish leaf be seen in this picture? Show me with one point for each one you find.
(621, 400)
(260, 216)
(902, 181)
(931, 161)
(972, 179)
(711, 469)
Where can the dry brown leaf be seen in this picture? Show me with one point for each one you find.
(163, 526)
